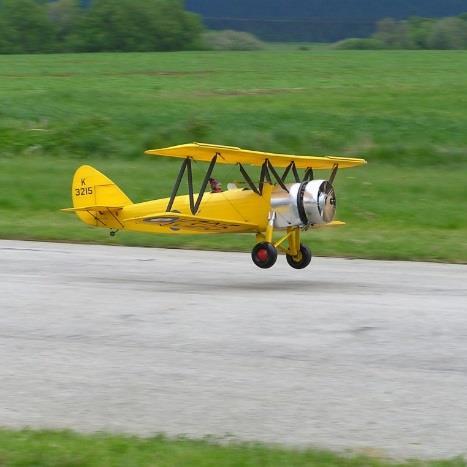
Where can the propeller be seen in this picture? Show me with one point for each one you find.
(327, 201)
(327, 197)
(333, 174)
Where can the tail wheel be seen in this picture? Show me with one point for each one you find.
(264, 255)
(302, 260)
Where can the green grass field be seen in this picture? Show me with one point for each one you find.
(404, 111)
(67, 449)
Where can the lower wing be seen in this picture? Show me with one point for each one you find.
(175, 222)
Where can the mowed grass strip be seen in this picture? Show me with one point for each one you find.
(404, 111)
(69, 449)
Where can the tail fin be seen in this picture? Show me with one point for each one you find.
(96, 198)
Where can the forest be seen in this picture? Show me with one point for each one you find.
(33, 26)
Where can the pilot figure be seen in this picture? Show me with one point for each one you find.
(216, 186)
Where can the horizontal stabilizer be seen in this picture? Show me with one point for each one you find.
(179, 222)
(92, 208)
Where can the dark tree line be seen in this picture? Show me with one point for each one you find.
(315, 20)
(30, 26)
(339, 9)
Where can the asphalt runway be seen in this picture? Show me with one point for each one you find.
(347, 354)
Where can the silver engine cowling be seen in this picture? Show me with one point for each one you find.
(305, 204)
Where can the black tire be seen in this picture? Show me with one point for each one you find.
(264, 255)
(305, 258)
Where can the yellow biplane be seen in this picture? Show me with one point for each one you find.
(260, 207)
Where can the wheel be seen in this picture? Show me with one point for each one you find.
(264, 255)
(303, 260)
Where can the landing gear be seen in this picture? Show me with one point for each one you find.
(302, 260)
(264, 255)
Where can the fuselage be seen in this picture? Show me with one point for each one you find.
(239, 204)
(301, 205)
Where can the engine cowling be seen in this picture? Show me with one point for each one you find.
(306, 203)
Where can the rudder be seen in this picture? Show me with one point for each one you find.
(96, 198)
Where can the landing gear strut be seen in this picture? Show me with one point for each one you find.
(264, 253)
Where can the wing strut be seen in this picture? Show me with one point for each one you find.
(309, 175)
(294, 171)
(266, 170)
(189, 177)
(248, 179)
(186, 165)
(276, 176)
(177, 184)
(264, 176)
(204, 185)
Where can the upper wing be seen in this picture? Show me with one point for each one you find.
(233, 155)
(174, 222)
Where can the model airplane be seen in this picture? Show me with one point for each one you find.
(262, 207)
